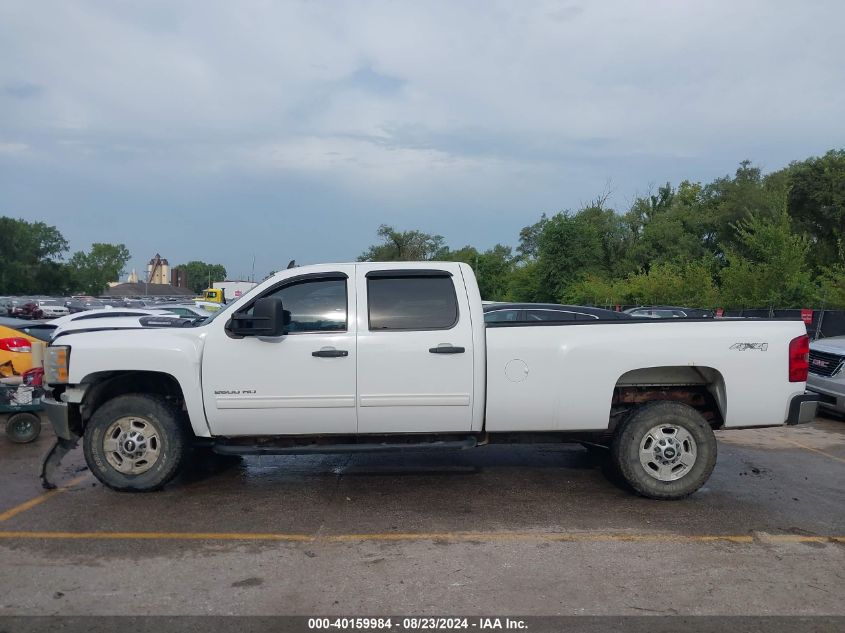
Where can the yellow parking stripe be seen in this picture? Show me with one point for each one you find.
(815, 450)
(44, 496)
(455, 537)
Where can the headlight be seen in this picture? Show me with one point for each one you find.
(56, 364)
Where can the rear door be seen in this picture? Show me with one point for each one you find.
(415, 350)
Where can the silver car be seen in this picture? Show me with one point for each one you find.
(826, 378)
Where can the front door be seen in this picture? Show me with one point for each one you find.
(300, 383)
(415, 351)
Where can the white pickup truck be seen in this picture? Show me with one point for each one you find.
(396, 356)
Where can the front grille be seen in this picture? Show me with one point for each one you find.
(824, 363)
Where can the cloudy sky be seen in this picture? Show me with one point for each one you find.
(219, 130)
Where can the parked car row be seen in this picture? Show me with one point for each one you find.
(533, 312)
(17, 334)
(54, 307)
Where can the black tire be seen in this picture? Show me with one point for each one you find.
(166, 425)
(635, 432)
(22, 428)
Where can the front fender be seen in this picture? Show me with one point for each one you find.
(174, 352)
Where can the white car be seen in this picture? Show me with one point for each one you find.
(51, 309)
(396, 356)
(186, 311)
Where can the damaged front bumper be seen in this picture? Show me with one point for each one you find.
(66, 440)
(57, 413)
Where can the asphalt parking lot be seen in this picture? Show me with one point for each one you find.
(528, 530)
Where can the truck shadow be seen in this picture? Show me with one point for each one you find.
(414, 469)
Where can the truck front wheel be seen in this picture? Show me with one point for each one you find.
(665, 450)
(135, 442)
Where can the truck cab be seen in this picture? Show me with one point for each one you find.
(395, 350)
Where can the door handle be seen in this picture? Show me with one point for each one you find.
(446, 349)
(330, 353)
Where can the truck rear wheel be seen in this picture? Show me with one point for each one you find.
(665, 450)
(135, 442)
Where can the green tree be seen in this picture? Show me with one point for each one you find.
(529, 239)
(597, 291)
(569, 247)
(831, 283)
(405, 246)
(564, 249)
(672, 226)
(201, 275)
(614, 235)
(768, 266)
(103, 263)
(492, 268)
(733, 200)
(816, 203)
(689, 284)
(669, 283)
(524, 284)
(30, 254)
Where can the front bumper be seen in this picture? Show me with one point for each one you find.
(831, 391)
(57, 413)
(66, 440)
(802, 409)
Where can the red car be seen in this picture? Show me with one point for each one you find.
(28, 310)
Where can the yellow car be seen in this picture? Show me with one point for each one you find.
(16, 338)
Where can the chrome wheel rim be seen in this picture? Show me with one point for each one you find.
(667, 452)
(132, 445)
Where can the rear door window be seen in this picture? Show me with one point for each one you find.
(413, 302)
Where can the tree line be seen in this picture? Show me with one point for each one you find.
(750, 240)
(32, 262)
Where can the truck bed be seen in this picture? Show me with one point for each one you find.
(562, 376)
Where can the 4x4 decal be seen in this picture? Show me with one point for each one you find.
(744, 346)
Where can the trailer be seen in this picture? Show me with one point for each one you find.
(21, 405)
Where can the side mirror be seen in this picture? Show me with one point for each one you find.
(268, 318)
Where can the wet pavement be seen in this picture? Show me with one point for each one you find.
(529, 530)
